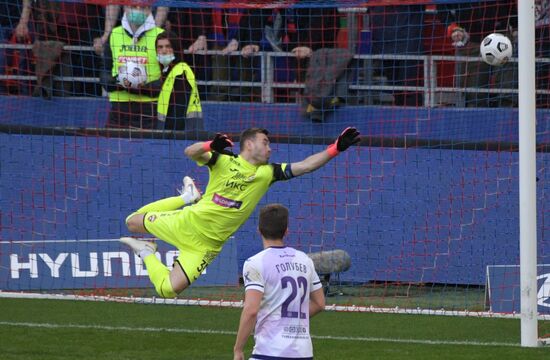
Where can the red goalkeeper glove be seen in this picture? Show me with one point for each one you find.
(219, 145)
(348, 137)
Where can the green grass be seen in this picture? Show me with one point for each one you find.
(426, 296)
(63, 329)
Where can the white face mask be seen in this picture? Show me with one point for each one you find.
(136, 17)
(463, 41)
(165, 59)
(459, 43)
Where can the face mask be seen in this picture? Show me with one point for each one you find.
(165, 59)
(459, 44)
(464, 41)
(136, 17)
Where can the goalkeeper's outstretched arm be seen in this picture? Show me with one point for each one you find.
(347, 138)
(200, 151)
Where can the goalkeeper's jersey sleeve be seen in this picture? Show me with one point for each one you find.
(233, 191)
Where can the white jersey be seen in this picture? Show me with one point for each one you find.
(286, 276)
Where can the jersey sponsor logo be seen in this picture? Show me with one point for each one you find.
(235, 185)
(135, 48)
(238, 176)
(297, 329)
(135, 59)
(225, 202)
(152, 218)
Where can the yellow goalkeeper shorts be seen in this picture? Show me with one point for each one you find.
(174, 228)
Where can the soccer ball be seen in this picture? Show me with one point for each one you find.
(133, 72)
(496, 49)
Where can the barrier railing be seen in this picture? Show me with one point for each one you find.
(267, 83)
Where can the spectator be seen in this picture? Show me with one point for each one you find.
(327, 66)
(260, 30)
(315, 28)
(111, 18)
(222, 36)
(132, 44)
(11, 13)
(397, 30)
(179, 105)
(55, 25)
(279, 298)
(302, 31)
(192, 25)
(12, 62)
(469, 24)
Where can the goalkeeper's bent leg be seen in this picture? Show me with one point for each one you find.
(160, 276)
(189, 194)
(167, 204)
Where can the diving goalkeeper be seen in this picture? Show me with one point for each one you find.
(236, 185)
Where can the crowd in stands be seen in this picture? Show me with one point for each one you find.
(318, 40)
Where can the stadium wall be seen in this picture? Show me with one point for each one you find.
(83, 188)
(456, 124)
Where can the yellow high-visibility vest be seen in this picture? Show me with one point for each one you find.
(194, 108)
(143, 52)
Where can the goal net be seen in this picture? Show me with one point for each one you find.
(421, 216)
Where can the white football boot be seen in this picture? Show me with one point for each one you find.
(140, 247)
(189, 191)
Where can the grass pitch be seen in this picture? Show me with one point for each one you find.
(63, 329)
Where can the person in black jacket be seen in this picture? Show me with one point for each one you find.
(398, 30)
(179, 105)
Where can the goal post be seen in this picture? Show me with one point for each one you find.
(527, 173)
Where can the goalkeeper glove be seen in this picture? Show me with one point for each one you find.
(348, 137)
(219, 145)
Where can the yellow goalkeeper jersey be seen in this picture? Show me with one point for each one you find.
(233, 191)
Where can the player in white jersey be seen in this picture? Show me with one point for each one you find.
(282, 291)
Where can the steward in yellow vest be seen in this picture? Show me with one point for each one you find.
(131, 73)
(179, 104)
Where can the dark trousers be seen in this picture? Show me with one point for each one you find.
(132, 115)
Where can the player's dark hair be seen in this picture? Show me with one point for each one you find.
(273, 221)
(171, 37)
(250, 134)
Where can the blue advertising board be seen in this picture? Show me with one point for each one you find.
(95, 263)
(469, 124)
(503, 284)
(392, 204)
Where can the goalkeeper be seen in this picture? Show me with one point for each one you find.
(236, 185)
